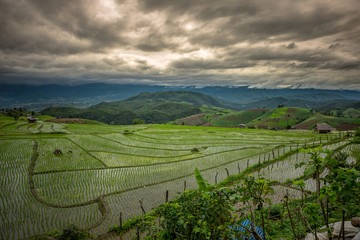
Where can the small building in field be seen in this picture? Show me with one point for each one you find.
(32, 119)
(241, 126)
(324, 128)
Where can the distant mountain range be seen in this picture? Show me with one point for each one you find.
(81, 96)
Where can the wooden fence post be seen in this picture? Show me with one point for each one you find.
(120, 220)
(141, 206)
(227, 172)
(216, 177)
(184, 186)
(167, 196)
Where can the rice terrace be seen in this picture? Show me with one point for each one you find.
(57, 174)
(179, 120)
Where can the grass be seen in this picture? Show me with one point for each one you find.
(122, 169)
(281, 118)
(234, 119)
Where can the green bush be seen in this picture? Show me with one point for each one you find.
(138, 121)
(73, 233)
(357, 132)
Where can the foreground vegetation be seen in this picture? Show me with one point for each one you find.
(221, 212)
(56, 174)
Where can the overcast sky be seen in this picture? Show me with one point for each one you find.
(261, 43)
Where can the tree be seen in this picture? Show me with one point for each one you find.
(254, 194)
(338, 194)
(138, 121)
(204, 213)
(357, 132)
(197, 215)
(343, 187)
(314, 168)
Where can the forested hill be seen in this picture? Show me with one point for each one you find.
(195, 98)
(158, 107)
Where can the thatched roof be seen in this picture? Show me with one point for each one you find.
(324, 127)
(32, 118)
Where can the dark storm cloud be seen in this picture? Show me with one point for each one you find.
(76, 18)
(274, 22)
(205, 42)
(203, 10)
(57, 27)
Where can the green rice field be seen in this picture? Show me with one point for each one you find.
(103, 171)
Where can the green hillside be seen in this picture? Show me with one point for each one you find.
(193, 98)
(340, 123)
(281, 118)
(234, 119)
(275, 119)
(352, 112)
(160, 107)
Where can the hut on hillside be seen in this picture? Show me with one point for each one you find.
(31, 119)
(241, 126)
(324, 128)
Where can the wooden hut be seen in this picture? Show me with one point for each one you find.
(32, 119)
(324, 128)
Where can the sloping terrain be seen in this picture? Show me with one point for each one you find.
(214, 117)
(89, 175)
(275, 119)
(281, 118)
(340, 123)
(160, 107)
(234, 119)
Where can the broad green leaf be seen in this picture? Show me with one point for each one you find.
(299, 183)
(202, 183)
(310, 170)
(298, 165)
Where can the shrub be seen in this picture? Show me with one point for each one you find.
(357, 132)
(138, 121)
(70, 233)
